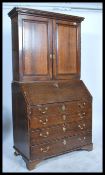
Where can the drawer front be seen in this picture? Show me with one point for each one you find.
(60, 108)
(40, 135)
(65, 144)
(49, 120)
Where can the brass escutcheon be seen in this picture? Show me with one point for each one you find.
(63, 107)
(64, 142)
(64, 129)
(64, 117)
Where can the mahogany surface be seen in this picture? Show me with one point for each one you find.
(51, 106)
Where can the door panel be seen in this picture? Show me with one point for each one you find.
(66, 38)
(65, 48)
(37, 46)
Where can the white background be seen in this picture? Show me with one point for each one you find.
(91, 74)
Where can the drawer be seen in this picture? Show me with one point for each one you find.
(49, 120)
(60, 108)
(65, 144)
(41, 135)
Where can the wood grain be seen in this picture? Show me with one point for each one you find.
(51, 106)
(64, 129)
(35, 48)
(48, 150)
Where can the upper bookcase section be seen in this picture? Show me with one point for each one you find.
(45, 45)
(35, 12)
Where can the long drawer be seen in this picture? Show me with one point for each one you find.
(60, 146)
(72, 107)
(49, 120)
(61, 130)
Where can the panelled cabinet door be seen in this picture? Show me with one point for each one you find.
(66, 41)
(35, 47)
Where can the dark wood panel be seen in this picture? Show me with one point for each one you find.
(51, 106)
(66, 51)
(15, 49)
(66, 40)
(35, 48)
(53, 91)
(20, 121)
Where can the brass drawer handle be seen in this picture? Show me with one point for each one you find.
(41, 110)
(47, 133)
(56, 85)
(81, 115)
(81, 127)
(82, 139)
(45, 149)
(44, 122)
(82, 105)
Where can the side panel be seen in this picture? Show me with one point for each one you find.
(20, 121)
(15, 48)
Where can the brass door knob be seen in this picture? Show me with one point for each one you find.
(53, 56)
(50, 56)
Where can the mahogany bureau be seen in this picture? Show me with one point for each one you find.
(51, 106)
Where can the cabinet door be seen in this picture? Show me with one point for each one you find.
(35, 47)
(66, 49)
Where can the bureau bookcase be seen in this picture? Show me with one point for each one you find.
(51, 106)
